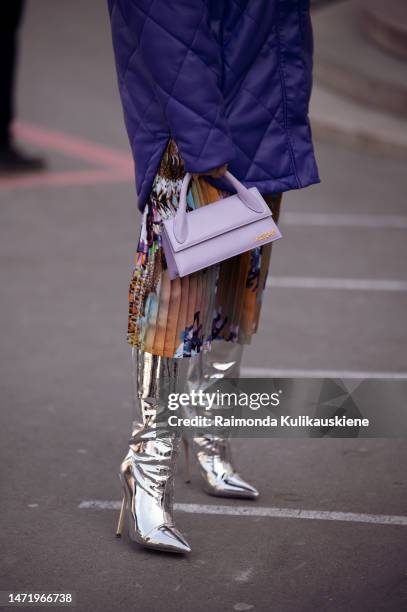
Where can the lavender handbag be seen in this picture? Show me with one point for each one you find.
(217, 231)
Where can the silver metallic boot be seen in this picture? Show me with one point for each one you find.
(212, 451)
(147, 471)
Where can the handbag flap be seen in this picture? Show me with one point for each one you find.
(216, 219)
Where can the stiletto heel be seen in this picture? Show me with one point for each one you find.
(187, 459)
(120, 523)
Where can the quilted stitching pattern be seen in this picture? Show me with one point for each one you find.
(229, 80)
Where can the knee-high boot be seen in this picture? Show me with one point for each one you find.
(213, 451)
(147, 471)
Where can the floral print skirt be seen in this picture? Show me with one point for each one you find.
(181, 317)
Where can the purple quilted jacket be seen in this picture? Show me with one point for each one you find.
(228, 80)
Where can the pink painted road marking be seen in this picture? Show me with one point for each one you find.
(73, 146)
(115, 166)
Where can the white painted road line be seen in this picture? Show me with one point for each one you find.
(352, 284)
(265, 512)
(345, 220)
(299, 373)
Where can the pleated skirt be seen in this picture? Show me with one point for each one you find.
(182, 317)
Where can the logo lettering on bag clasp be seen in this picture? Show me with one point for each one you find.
(265, 235)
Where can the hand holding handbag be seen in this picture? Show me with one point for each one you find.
(217, 231)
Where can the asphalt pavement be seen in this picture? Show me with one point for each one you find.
(67, 246)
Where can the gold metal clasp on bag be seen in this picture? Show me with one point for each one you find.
(265, 235)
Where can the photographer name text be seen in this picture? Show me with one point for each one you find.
(268, 421)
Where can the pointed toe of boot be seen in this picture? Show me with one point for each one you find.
(243, 489)
(231, 485)
(167, 538)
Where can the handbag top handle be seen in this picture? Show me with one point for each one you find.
(180, 221)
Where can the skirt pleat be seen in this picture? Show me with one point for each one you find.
(242, 263)
(191, 330)
(207, 312)
(172, 319)
(182, 317)
(147, 334)
(250, 296)
(163, 313)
